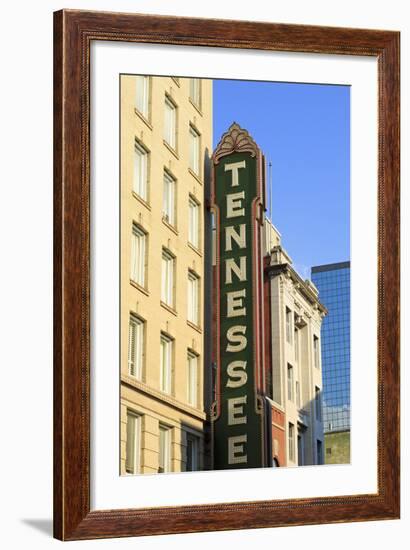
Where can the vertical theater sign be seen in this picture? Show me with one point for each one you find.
(241, 437)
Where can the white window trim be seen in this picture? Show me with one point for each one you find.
(141, 176)
(138, 255)
(167, 447)
(170, 133)
(193, 298)
(195, 86)
(167, 278)
(290, 382)
(135, 467)
(142, 106)
(193, 378)
(168, 198)
(166, 361)
(193, 227)
(136, 331)
(194, 150)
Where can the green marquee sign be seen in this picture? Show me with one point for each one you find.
(239, 434)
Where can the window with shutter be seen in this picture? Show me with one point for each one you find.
(167, 278)
(192, 379)
(135, 346)
(168, 206)
(195, 91)
(142, 95)
(164, 458)
(193, 231)
(165, 375)
(140, 183)
(193, 298)
(194, 141)
(170, 123)
(138, 255)
(133, 443)
(290, 383)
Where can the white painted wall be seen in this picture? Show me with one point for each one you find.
(26, 269)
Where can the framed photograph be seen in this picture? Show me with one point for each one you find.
(226, 275)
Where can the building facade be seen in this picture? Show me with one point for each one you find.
(293, 319)
(333, 282)
(166, 134)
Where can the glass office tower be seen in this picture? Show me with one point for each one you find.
(333, 283)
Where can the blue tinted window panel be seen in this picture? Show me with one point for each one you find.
(333, 283)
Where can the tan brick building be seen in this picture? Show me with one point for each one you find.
(166, 134)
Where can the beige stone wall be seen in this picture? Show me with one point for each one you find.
(144, 396)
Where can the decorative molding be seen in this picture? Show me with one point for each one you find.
(235, 140)
(165, 398)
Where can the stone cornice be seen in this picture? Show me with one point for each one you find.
(163, 397)
(276, 269)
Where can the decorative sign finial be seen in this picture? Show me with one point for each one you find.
(235, 140)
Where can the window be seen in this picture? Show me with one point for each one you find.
(135, 347)
(193, 296)
(140, 182)
(192, 379)
(297, 394)
(291, 441)
(170, 126)
(288, 325)
(192, 453)
(195, 91)
(316, 351)
(165, 375)
(138, 255)
(167, 278)
(301, 448)
(133, 443)
(318, 404)
(168, 205)
(296, 343)
(290, 383)
(319, 451)
(193, 230)
(194, 140)
(164, 458)
(142, 95)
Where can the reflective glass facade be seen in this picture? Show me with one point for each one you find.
(333, 283)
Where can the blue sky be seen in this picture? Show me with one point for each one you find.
(304, 131)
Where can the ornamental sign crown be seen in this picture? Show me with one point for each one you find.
(235, 140)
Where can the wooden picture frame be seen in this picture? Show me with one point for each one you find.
(74, 32)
